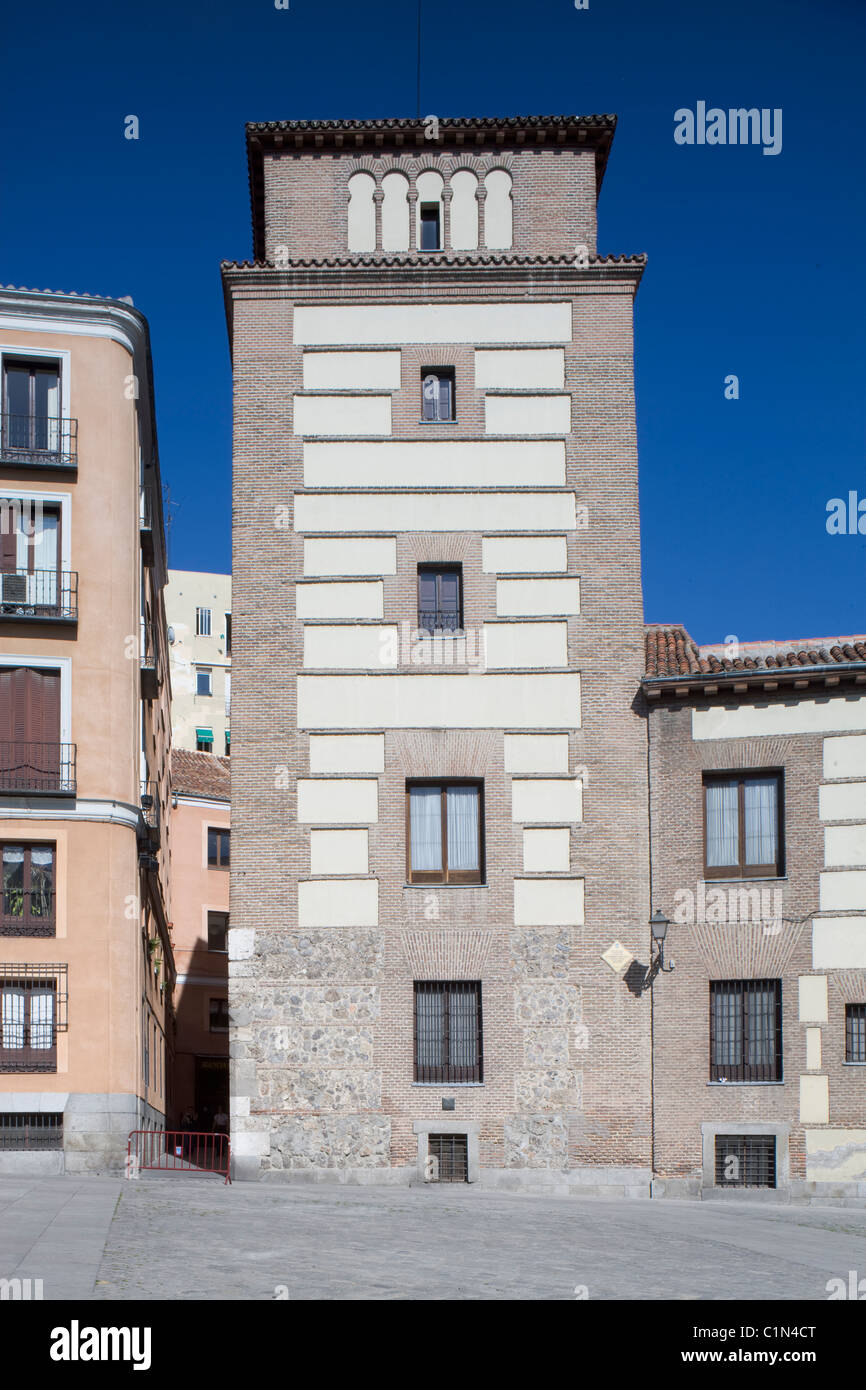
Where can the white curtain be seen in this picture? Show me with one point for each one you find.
(727, 1032)
(53, 412)
(462, 810)
(761, 1026)
(41, 881)
(44, 581)
(425, 826)
(463, 1010)
(12, 1017)
(430, 1016)
(722, 824)
(761, 796)
(42, 1018)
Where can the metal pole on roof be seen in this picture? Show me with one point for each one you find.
(419, 61)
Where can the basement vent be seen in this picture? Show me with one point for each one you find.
(745, 1160)
(450, 1155)
(21, 1129)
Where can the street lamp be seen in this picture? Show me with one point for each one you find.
(659, 924)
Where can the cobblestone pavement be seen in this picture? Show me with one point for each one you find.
(179, 1237)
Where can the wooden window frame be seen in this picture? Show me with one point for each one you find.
(445, 876)
(218, 999)
(27, 925)
(430, 567)
(741, 870)
(449, 374)
(218, 950)
(219, 831)
(746, 1072)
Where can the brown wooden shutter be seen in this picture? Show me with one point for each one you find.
(43, 707)
(8, 544)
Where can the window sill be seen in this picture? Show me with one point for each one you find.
(727, 1085)
(731, 882)
(854, 1064)
(426, 887)
(455, 421)
(447, 1085)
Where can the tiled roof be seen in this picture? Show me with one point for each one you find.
(200, 774)
(607, 122)
(429, 262)
(68, 294)
(670, 651)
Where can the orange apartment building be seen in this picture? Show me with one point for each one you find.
(200, 898)
(86, 963)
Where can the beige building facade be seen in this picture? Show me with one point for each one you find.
(198, 611)
(86, 974)
(200, 906)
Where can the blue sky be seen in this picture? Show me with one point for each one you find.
(753, 259)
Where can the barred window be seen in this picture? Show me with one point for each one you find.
(449, 1157)
(855, 1032)
(202, 622)
(745, 1160)
(448, 1036)
(33, 1001)
(746, 1030)
(25, 1129)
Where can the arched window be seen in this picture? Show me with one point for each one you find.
(428, 211)
(464, 211)
(362, 213)
(497, 210)
(395, 212)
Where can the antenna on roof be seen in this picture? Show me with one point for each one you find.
(169, 508)
(419, 60)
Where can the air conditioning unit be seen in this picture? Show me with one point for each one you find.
(14, 588)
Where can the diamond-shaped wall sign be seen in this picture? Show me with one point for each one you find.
(617, 957)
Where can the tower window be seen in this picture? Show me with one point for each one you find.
(431, 227)
(437, 394)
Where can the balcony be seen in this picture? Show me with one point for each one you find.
(439, 620)
(38, 441)
(27, 912)
(39, 596)
(37, 769)
(149, 830)
(149, 663)
(145, 524)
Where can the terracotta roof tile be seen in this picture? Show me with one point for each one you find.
(670, 651)
(200, 774)
(449, 258)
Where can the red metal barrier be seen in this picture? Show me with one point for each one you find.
(178, 1151)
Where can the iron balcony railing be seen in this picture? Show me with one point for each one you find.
(439, 620)
(149, 830)
(47, 768)
(145, 523)
(149, 654)
(41, 440)
(26, 912)
(39, 595)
